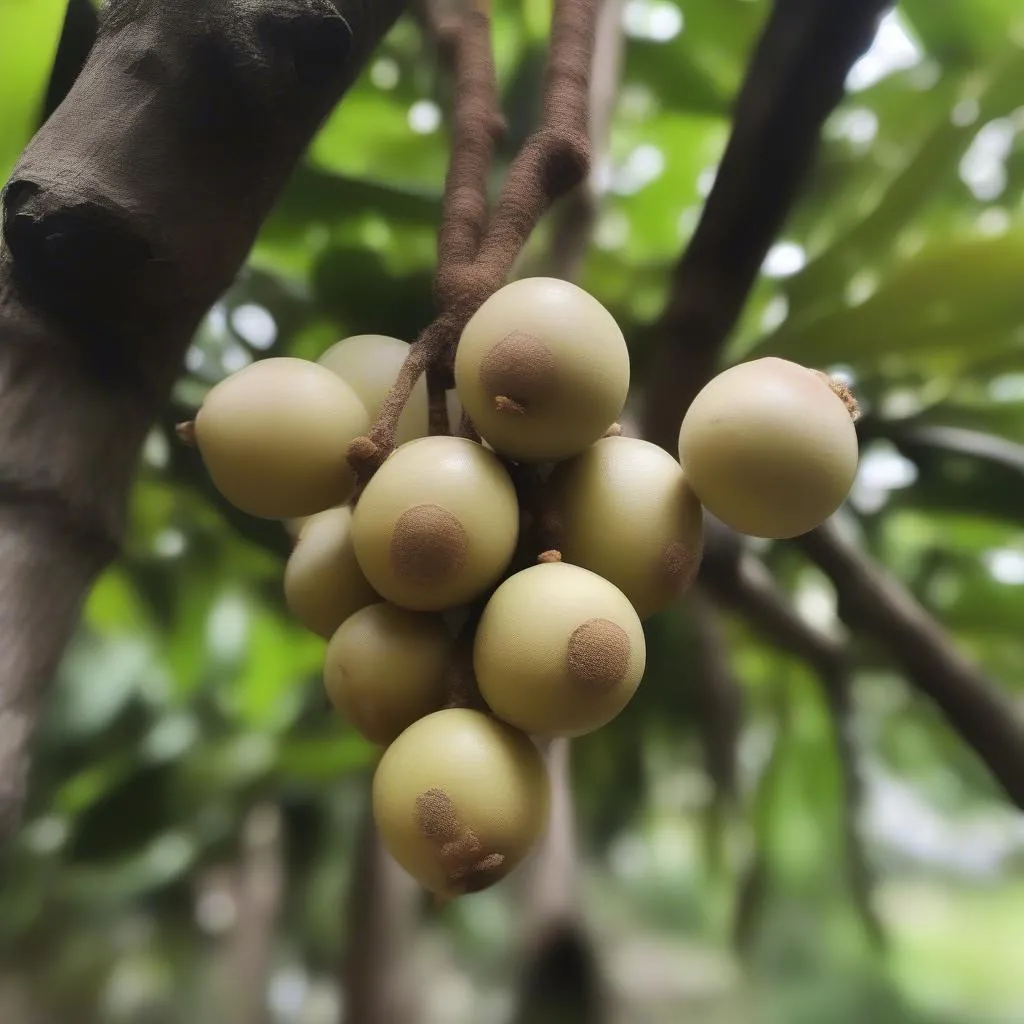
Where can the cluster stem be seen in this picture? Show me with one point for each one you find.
(477, 251)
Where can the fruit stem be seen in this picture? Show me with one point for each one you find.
(477, 251)
(186, 432)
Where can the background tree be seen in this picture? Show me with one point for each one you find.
(190, 788)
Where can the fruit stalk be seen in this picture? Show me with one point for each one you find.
(476, 252)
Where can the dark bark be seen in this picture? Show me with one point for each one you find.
(81, 23)
(794, 81)
(127, 215)
(874, 602)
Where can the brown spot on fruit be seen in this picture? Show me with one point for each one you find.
(428, 545)
(598, 653)
(517, 373)
(467, 866)
(678, 564)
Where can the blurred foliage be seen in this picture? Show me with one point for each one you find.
(189, 697)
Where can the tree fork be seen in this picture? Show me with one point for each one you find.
(126, 217)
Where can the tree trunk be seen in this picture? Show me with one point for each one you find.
(562, 981)
(382, 908)
(127, 215)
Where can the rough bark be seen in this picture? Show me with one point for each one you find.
(127, 215)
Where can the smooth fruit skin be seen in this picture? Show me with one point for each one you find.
(274, 437)
(323, 584)
(559, 651)
(437, 524)
(769, 448)
(627, 512)
(460, 798)
(369, 364)
(542, 369)
(387, 667)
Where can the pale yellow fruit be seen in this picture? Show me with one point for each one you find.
(542, 369)
(559, 650)
(769, 448)
(323, 584)
(274, 438)
(387, 667)
(627, 513)
(369, 364)
(460, 799)
(437, 524)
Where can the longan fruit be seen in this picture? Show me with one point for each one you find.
(459, 800)
(626, 512)
(542, 369)
(437, 524)
(274, 437)
(770, 448)
(370, 364)
(559, 651)
(323, 584)
(387, 667)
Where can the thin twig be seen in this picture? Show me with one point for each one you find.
(742, 582)
(874, 602)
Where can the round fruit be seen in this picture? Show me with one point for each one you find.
(559, 650)
(437, 524)
(323, 584)
(542, 369)
(275, 435)
(627, 513)
(369, 364)
(459, 800)
(770, 448)
(386, 668)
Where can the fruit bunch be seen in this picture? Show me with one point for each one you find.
(478, 594)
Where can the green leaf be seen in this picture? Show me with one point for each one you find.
(28, 42)
(946, 298)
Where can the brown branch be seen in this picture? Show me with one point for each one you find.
(576, 216)
(479, 126)
(127, 215)
(473, 261)
(793, 82)
(874, 602)
(742, 582)
(718, 702)
(837, 688)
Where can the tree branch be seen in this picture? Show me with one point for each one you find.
(744, 583)
(127, 215)
(81, 24)
(718, 702)
(874, 602)
(794, 81)
(382, 911)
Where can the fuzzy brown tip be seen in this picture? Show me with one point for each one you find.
(598, 655)
(428, 545)
(546, 557)
(517, 372)
(843, 392)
